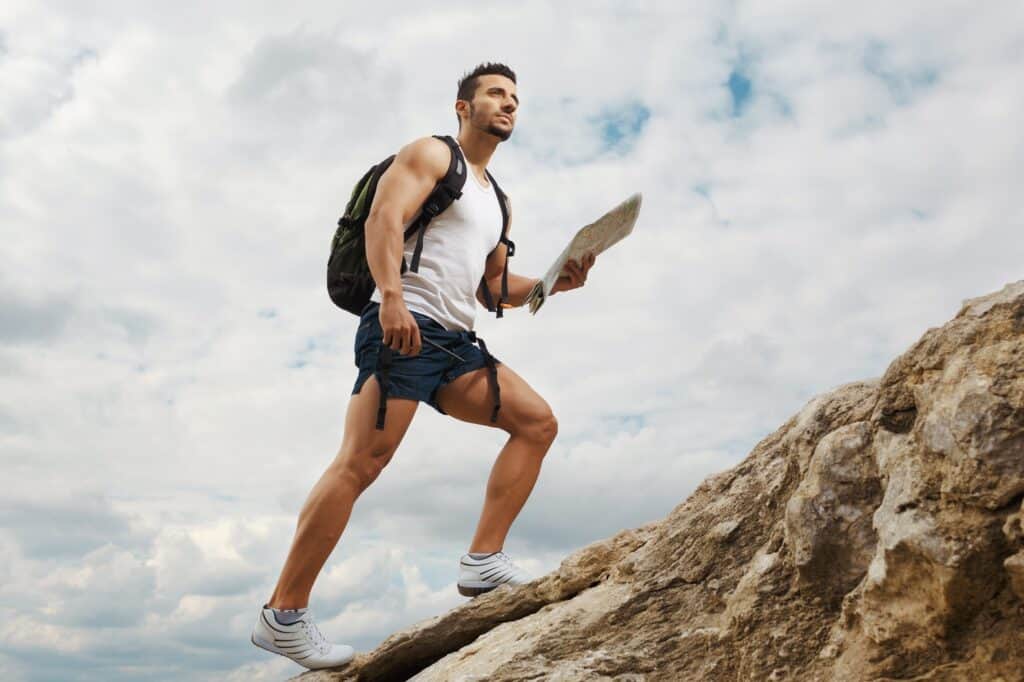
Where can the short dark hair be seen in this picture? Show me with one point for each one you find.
(469, 82)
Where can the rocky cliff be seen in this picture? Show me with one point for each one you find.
(876, 535)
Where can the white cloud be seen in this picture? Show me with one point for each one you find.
(173, 377)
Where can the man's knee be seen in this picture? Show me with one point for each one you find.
(361, 468)
(540, 429)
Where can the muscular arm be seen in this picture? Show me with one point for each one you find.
(519, 287)
(401, 191)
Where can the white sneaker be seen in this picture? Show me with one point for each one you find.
(301, 641)
(477, 576)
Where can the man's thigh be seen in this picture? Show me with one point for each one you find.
(361, 432)
(470, 398)
(365, 449)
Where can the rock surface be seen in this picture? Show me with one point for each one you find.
(876, 535)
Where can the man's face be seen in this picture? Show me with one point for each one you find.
(494, 106)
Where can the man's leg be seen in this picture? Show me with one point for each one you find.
(362, 456)
(531, 426)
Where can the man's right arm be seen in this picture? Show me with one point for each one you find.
(401, 191)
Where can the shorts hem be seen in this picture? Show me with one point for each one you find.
(466, 370)
(462, 370)
(391, 393)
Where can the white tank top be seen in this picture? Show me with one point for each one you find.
(455, 249)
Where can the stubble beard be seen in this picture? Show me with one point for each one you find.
(492, 128)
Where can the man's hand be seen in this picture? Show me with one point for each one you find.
(400, 330)
(574, 275)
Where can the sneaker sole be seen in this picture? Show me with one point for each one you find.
(261, 644)
(475, 588)
(474, 591)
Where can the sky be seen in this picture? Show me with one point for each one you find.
(822, 183)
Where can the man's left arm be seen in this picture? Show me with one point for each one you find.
(573, 275)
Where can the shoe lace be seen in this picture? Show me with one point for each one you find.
(313, 632)
(508, 560)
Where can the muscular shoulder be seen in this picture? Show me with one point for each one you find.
(427, 155)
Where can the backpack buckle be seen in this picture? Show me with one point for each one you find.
(450, 193)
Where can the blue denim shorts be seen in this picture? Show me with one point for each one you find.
(421, 376)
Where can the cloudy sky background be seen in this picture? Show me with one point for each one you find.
(822, 182)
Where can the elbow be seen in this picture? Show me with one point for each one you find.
(482, 298)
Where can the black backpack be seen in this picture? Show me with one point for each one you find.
(349, 281)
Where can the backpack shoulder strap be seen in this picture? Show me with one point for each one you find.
(504, 204)
(455, 178)
(447, 190)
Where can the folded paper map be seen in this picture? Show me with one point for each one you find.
(593, 238)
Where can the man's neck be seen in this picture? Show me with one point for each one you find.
(478, 149)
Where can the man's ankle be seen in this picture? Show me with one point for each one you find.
(484, 551)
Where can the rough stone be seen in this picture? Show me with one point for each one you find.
(876, 535)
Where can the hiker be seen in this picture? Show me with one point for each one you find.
(415, 337)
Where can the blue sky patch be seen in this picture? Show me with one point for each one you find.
(740, 88)
(611, 128)
(620, 126)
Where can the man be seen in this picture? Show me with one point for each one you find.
(438, 303)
